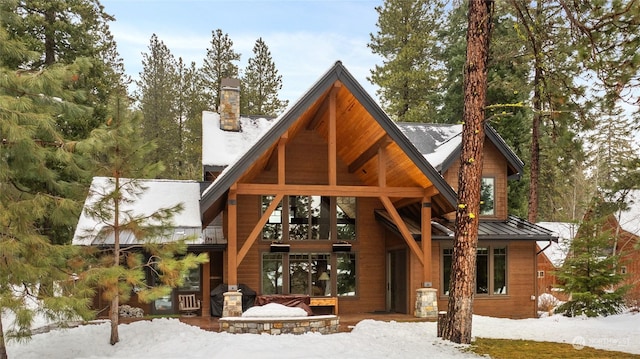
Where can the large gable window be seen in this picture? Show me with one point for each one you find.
(310, 218)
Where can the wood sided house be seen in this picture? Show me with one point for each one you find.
(335, 201)
(623, 224)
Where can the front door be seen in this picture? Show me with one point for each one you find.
(397, 281)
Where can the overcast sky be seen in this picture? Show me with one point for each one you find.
(305, 37)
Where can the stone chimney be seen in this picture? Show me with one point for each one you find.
(230, 105)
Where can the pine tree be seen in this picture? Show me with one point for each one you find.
(218, 64)
(589, 273)
(37, 177)
(121, 153)
(61, 31)
(412, 73)
(192, 95)
(158, 94)
(260, 84)
(507, 88)
(457, 326)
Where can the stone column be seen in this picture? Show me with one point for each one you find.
(232, 305)
(426, 303)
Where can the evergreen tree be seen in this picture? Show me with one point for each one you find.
(590, 272)
(38, 175)
(411, 75)
(158, 94)
(61, 31)
(121, 153)
(607, 35)
(218, 64)
(558, 104)
(190, 103)
(260, 84)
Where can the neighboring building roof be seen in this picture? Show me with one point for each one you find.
(222, 148)
(441, 144)
(629, 219)
(158, 194)
(556, 252)
(513, 228)
(213, 197)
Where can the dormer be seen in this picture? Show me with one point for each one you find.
(441, 145)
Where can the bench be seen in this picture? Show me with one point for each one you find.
(325, 302)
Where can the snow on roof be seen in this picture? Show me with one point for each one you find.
(630, 219)
(222, 148)
(158, 194)
(436, 142)
(557, 252)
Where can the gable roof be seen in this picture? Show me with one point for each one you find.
(359, 110)
(221, 148)
(629, 219)
(157, 195)
(441, 144)
(556, 252)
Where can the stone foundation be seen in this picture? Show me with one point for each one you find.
(324, 324)
(426, 303)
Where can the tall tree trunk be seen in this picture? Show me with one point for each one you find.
(114, 313)
(3, 346)
(457, 326)
(49, 37)
(535, 143)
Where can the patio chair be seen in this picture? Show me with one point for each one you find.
(188, 304)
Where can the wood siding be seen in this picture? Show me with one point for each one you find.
(495, 165)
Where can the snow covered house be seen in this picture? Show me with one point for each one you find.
(334, 201)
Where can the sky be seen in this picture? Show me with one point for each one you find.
(305, 37)
(369, 339)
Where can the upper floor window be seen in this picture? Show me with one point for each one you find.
(488, 196)
(310, 218)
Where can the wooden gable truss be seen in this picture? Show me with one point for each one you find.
(358, 133)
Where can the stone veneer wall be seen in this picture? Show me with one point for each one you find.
(324, 324)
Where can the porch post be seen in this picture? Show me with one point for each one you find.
(425, 227)
(232, 299)
(232, 240)
(206, 288)
(426, 297)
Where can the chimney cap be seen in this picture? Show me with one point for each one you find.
(228, 82)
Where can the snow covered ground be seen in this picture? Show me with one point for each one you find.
(170, 338)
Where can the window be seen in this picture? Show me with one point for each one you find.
(487, 196)
(309, 273)
(272, 276)
(346, 218)
(491, 270)
(346, 272)
(540, 274)
(273, 228)
(191, 281)
(310, 218)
